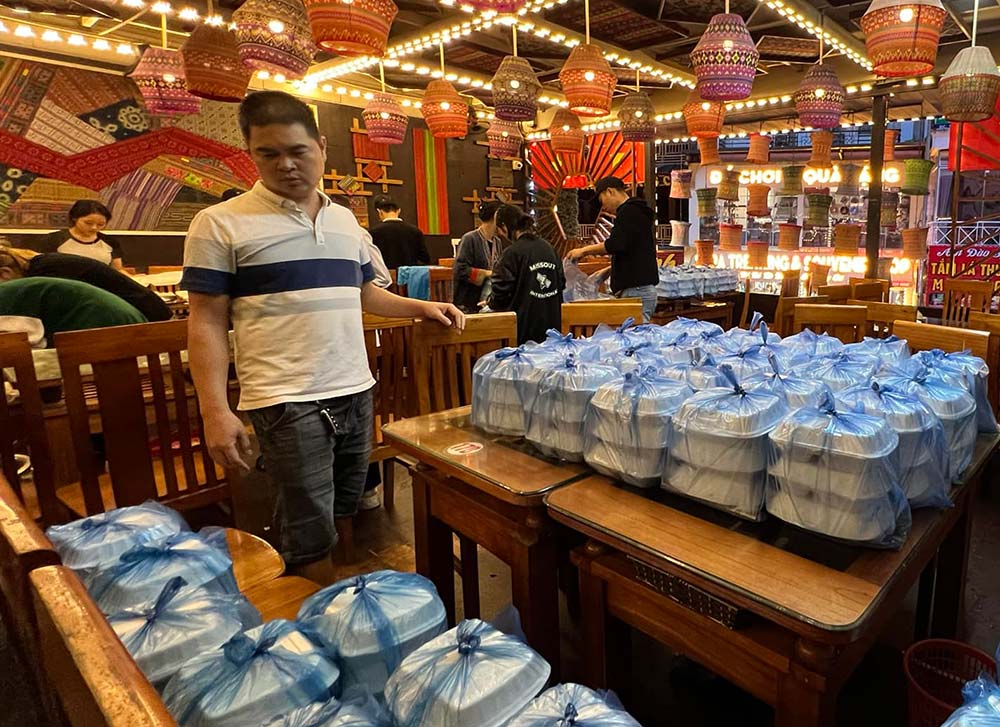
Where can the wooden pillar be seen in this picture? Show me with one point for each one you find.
(880, 105)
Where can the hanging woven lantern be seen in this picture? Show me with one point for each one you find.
(850, 174)
(587, 81)
(760, 149)
(703, 118)
(384, 120)
(356, 28)
(504, 139)
(679, 233)
(729, 187)
(706, 201)
(680, 184)
(822, 145)
(915, 243)
(725, 59)
(916, 176)
(757, 253)
(789, 235)
(706, 252)
(274, 36)
(709, 149)
(757, 200)
(791, 181)
(446, 113)
(889, 210)
(846, 238)
(902, 36)
(566, 133)
(970, 86)
(636, 114)
(161, 81)
(500, 7)
(889, 150)
(515, 90)
(212, 64)
(820, 98)
(818, 213)
(730, 237)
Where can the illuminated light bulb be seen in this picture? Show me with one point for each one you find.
(505, 134)
(514, 83)
(161, 8)
(76, 39)
(24, 31)
(276, 26)
(589, 75)
(408, 66)
(565, 127)
(101, 44)
(407, 103)
(355, 93)
(189, 14)
(820, 92)
(134, 3)
(445, 105)
(906, 15)
(727, 44)
(341, 90)
(327, 88)
(279, 77)
(706, 106)
(51, 36)
(477, 83)
(124, 49)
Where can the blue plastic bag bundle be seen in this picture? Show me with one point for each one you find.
(946, 397)
(836, 472)
(557, 423)
(372, 622)
(974, 372)
(755, 358)
(981, 706)
(96, 542)
(628, 426)
(718, 450)
(638, 357)
(839, 372)
(579, 285)
(650, 333)
(809, 343)
(180, 624)
(610, 339)
(252, 678)
(752, 334)
(142, 572)
(701, 375)
(683, 349)
(889, 351)
(798, 390)
(470, 676)
(355, 712)
(504, 385)
(692, 326)
(564, 344)
(923, 450)
(573, 704)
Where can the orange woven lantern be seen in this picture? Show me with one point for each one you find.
(384, 120)
(822, 146)
(730, 237)
(889, 151)
(566, 133)
(504, 139)
(757, 200)
(915, 243)
(706, 252)
(274, 36)
(902, 36)
(757, 253)
(846, 238)
(789, 236)
(212, 64)
(760, 149)
(355, 28)
(445, 111)
(160, 78)
(709, 149)
(703, 118)
(587, 81)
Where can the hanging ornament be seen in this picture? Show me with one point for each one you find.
(587, 81)
(636, 114)
(757, 251)
(822, 146)
(498, 7)
(791, 181)
(706, 252)
(902, 36)
(971, 85)
(566, 133)
(757, 200)
(679, 233)
(846, 238)
(504, 139)
(384, 120)
(820, 98)
(680, 184)
(515, 90)
(445, 111)
(703, 118)
(212, 64)
(728, 189)
(725, 59)
(850, 175)
(916, 177)
(914, 243)
(355, 28)
(707, 201)
(274, 36)
(789, 235)
(730, 237)
(759, 151)
(159, 76)
(709, 150)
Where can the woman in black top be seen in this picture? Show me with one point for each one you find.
(87, 217)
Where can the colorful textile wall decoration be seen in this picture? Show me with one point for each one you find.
(607, 155)
(430, 175)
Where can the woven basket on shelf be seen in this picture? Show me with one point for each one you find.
(680, 184)
(706, 252)
(788, 236)
(706, 201)
(730, 237)
(846, 238)
(757, 251)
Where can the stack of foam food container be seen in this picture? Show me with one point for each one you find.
(628, 426)
(609, 339)
(836, 472)
(573, 704)
(639, 357)
(354, 712)
(682, 348)
(702, 374)
(755, 353)
(839, 372)
(923, 450)
(798, 390)
(973, 372)
(374, 621)
(504, 387)
(470, 676)
(887, 351)
(692, 327)
(686, 281)
(564, 344)
(719, 449)
(814, 345)
(557, 423)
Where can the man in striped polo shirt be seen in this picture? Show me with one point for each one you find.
(293, 272)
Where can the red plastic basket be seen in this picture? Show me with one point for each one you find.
(936, 670)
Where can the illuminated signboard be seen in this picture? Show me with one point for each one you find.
(810, 177)
(841, 266)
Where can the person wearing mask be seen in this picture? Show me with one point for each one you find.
(87, 219)
(16, 264)
(292, 270)
(529, 277)
(631, 244)
(478, 253)
(399, 242)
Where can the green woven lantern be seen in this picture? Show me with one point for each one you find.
(916, 176)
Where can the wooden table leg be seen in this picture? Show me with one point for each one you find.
(925, 601)
(594, 619)
(804, 697)
(535, 591)
(470, 576)
(432, 543)
(949, 590)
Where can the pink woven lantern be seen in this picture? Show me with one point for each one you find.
(355, 28)
(725, 59)
(384, 120)
(703, 118)
(820, 98)
(515, 90)
(566, 133)
(504, 139)
(902, 36)
(587, 81)
(161, 81)
(274, 36)
(212, 64)
(445, 111)
(636, 116)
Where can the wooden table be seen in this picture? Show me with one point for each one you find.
(784, 614)
(491, 495)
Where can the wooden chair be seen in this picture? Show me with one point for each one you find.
(962, 297)
(925, 336)
(837, 294)
(96, 681)
(446, 262)
(990, 323)
(181, 474)
(883, 316)
(581, 319)
(818, 275)
(790, 284)
(846, 322)
(441, 284)
(784, 315)
(27, 419)
(870, 289)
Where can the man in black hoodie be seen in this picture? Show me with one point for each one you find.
(631, 244)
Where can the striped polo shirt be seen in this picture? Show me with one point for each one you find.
(295, 294)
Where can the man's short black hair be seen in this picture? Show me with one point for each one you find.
(606, 183)
(231, 192)
(385, 203)
(84, 207)
(488, 210)
(275, 107)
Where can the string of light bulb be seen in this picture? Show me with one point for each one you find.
(30, 31)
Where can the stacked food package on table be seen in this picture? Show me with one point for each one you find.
(681, 281)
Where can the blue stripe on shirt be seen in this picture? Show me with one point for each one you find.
(292, 275)
(367, 272)
(206, 280)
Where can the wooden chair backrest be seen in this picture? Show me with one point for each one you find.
(97, 682)
(120, 385)
(868, 289)
(818, 275)
(790, 284)
(846, 322)
(581, 319)
(883, 316)
(925, 336)
(157, 269)
(784, 314)
(441, 284)
(990, 322)
(446, 262)
(443, 357)
(836, 293)
(26, 418)
(389, 343)
(964, 296)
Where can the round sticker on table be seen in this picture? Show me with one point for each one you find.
(464, 448)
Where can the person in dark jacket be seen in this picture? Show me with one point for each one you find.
(478, 253)
(399, 242)
(528, 279)
(631, 244)
(16, 263)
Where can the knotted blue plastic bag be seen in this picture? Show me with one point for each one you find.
(638, 357)
(841, 371)
(809, 343)
(96, 542)
(752, 333)
(701, 375)
(180, 624)
(974, 372)
(470, 676)
(889, 351)
(573, 705)
(683, 349)
(755, 358)
(358, 712)
(612, 339)
(142, 572)
(981, 706)
(693, 327)
(798, 390)
(372, 622)
(564, 344)
(254, 677)
(504, 385)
